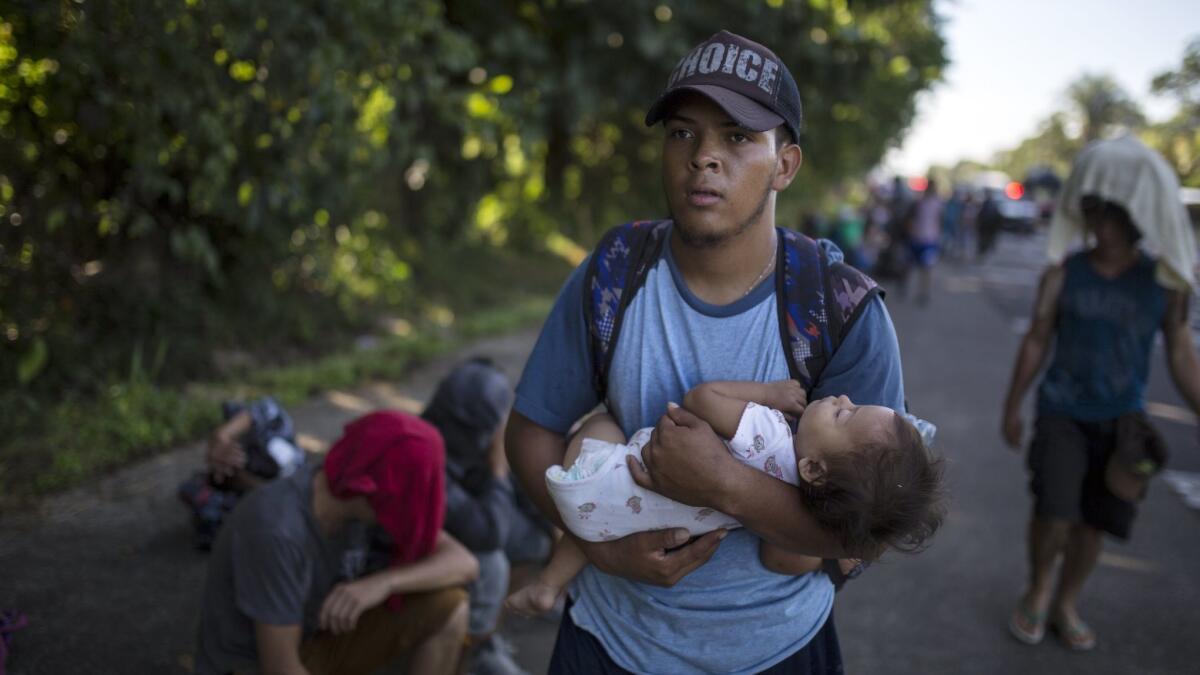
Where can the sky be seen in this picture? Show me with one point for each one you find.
(1012, 60)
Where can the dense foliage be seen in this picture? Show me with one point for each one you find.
(182, 176)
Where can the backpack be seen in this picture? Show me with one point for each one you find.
(818, 298)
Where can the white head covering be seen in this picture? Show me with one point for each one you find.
(1125, 171)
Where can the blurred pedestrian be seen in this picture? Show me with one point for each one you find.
(924, 229)
(952, 213)
(1093, 449)
(987, 225)
(485, 510)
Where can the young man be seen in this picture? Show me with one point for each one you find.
(1101, 309)
(273, 600)
(652, 602)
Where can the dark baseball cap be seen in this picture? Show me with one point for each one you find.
(741, 76)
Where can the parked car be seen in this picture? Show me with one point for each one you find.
(1017, 210)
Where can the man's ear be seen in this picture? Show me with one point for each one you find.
(787, 163)
(811, 470)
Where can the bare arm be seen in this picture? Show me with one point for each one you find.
(721, 404)
(225, 457)
(657, 557)
(450, 564)
(769, 507)
(1181, 352)
(1032, 354)
(278, 649)
(531, 449)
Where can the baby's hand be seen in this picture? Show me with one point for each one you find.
(788, 397)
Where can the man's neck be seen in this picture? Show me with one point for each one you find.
(1114, 259)
(723, 274)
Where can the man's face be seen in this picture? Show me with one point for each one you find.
(719, 176)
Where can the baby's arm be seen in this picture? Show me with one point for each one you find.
(566, 562)
(721, 403)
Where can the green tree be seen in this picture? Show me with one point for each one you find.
(182, 175)
(1178, 138)
(1101, 106)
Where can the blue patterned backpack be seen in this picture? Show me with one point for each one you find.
(818, 298)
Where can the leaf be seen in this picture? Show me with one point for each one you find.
(33, 362)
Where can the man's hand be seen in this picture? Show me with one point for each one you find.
(788, 397)
(225, 456)
(657, 557)
(347, 601)
(1013, 428)
(684, 460)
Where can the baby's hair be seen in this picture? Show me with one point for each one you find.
(884, 495)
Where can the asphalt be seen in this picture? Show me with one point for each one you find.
(110, 583)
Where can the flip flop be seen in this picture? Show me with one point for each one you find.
(1076, 636)
(1028, 627)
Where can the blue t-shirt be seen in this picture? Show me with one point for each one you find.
(732, 614)
(1104, 332)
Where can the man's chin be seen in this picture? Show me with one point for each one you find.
(703, 235)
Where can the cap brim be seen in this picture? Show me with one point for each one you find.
(745, 111)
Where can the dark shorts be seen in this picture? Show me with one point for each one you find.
(924, 255)
(578, 652)
(1066, 460)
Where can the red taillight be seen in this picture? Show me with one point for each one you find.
(1014, 190)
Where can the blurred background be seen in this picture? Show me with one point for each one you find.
(203, 200)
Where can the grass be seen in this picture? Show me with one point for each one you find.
(134, 419)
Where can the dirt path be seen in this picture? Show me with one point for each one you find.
(107, 574)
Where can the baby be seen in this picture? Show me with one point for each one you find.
(863, 472)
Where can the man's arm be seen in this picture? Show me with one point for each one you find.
(1033, 351)
(769, 507)
(279, 649)
(1181, 351)
(656, 557)
(450, 564)
(721, 404)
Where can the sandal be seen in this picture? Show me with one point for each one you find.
(1028, 627)
(1076, 636)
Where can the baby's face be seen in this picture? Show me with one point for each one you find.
(835, 425)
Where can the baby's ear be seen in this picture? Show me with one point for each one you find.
(811, 470)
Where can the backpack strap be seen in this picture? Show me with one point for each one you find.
(818, 301)
(618, 269)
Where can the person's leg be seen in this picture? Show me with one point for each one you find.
(1079, 559)
(566, 562)
(438, 654)
(1047, 537)
(1058, 459)
(384, 637)
(602, 427)
(487, 593)
(926, 283)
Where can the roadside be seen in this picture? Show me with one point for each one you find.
(107, 574)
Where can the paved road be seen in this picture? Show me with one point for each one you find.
(111, 585)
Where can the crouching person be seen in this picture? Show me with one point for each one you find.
(282, 595)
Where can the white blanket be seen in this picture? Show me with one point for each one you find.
(1125, 171)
